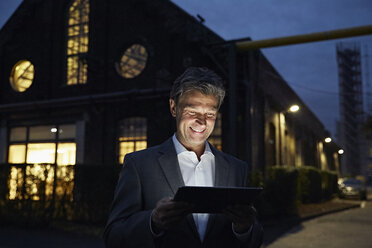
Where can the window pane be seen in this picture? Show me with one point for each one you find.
(134, 128)
(66, 154)
(18, 134)
(140, 145)
(43, 133)
(17, 154)
(77, 42)
(132, 136)
(133, 61)
(125, 147)
(41, 153)
(66, 132)
(22, 75)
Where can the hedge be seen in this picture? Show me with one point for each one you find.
(287, 186)
(309, 184)
(280, 195)
(85, 199)
(93, 188)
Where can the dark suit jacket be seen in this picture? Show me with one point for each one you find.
(148, 176)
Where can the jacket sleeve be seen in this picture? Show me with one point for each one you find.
(128, 224)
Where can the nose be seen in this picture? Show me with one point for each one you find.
(201, 119)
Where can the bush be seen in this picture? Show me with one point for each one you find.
(4, 173)
(82, 193)
(93, 192)
(309, 184)
(280, 192)
(329, 184)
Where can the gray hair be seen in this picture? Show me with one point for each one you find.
(201, 79)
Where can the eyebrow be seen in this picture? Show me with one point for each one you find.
(195, 106)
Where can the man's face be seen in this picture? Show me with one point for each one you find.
(195, 116)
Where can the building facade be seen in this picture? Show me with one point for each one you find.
(83, 82)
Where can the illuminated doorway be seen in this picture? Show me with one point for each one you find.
(42, 159)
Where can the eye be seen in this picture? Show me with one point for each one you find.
(211, 115)
(192, 113)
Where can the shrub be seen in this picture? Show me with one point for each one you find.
(280, 192)
(309, 184)
(93, 192)
(329, 184)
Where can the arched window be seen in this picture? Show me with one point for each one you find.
(132, 136)
(77, 42)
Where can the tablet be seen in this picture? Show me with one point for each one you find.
(216, 199)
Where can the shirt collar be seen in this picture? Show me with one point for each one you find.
(180, 148)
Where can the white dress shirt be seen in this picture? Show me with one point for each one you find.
(196, 173)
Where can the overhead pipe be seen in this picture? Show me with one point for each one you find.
(247, 45)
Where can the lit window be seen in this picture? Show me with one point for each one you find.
(43, 149)
(22, 75)
(133, 61)
(77, 42)
(132, 136)
(41, 153)
(17, 154)
(66, 154)
(216, 136)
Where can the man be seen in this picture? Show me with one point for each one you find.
(143, 212)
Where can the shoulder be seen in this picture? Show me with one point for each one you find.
(151, 152)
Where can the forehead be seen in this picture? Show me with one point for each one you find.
(195, 98)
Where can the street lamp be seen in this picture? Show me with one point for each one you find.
(327, 140)
(341, 151)
(294, 108)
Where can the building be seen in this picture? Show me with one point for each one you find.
(83, 82)
(351, 136)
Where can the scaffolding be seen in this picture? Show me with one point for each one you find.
(351, 107)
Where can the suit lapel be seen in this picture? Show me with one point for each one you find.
(169, 164)
(171, 169)
(221, 169)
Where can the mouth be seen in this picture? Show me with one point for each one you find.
(196, 130)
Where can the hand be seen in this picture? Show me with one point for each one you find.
(168, 213)
(243, 216)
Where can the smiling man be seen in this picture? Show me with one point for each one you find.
(144, 213)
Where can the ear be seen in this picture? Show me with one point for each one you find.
(172, 107)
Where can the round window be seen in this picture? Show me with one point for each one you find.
(22, 75)
(133, 61)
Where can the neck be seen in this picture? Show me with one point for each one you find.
(198, 149)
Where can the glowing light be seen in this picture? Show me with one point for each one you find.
(53, 130)
(341, 151)
(327, 140)
(294, 108)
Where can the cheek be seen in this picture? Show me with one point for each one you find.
(211, 122)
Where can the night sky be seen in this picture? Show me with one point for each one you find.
(310, 69)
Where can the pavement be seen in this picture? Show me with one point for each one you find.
(275, 228)
(63, 234)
